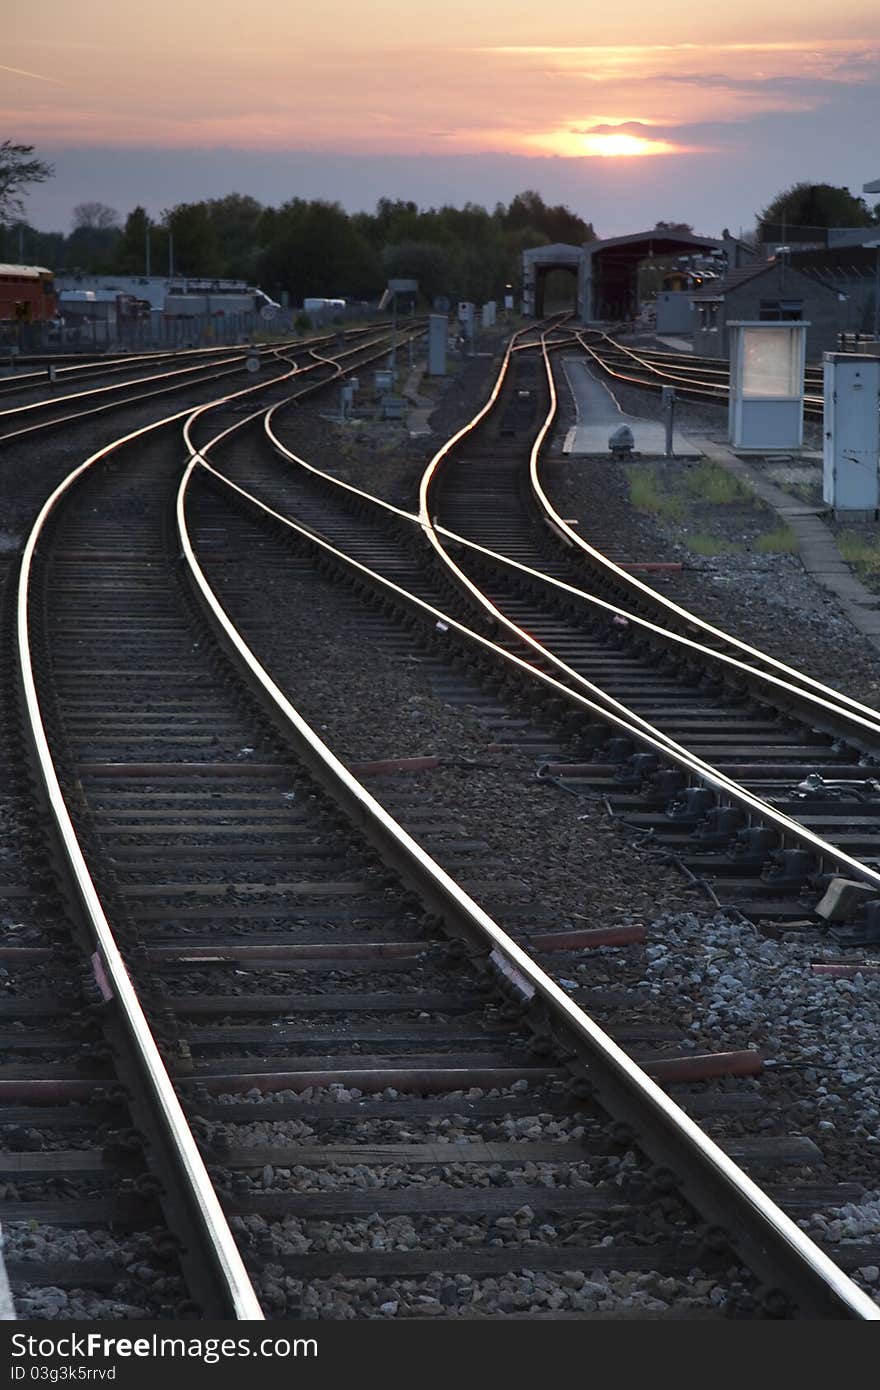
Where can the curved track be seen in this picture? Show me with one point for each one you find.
(170, 776)
(694, 377)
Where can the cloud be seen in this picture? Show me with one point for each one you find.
(621, 128)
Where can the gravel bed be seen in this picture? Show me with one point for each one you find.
(854, 1223)
(823, 1030)
(302, 981)
(38, 1302)
(530, 1292)
(439, 1129)
(523, 1228)
(144, 1290)
(346, 1176)
(16, 1138)
(340, 1094)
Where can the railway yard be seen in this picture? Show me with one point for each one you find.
(439, 871)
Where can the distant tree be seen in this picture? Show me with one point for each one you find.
(196, 243)
(131, 252)
(18, 169)
(559, 223)
(314, 248)
(683, 228)
(395, 220)
(21, 242)
(425, 261)
(235, 220)
(96, 216)
(93, 244)
(817, 205)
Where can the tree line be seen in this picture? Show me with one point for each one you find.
(314, 247)
(310, 246)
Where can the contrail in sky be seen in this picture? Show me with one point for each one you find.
(22, 72)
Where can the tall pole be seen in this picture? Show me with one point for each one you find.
(147, 249)
(170, 255)
(393, 331)
(877, 295)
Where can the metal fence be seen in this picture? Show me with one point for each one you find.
(88, 335)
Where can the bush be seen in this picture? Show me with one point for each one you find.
(302, 323)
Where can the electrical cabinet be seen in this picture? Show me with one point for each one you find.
(851, 444)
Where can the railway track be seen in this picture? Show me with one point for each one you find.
(87, 1231)
(754, 722)
(327, 998)
(694, 377)
(213, 530)
(59, 408)
(65, 371)
(763, 727)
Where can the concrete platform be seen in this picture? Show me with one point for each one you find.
(676, 344)
(598, 414)
(7, 1307)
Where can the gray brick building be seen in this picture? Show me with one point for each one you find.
(773, 291)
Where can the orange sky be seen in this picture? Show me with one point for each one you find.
(385, 76)
(467, 99)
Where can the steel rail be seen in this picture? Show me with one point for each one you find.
(769, 1236)
(545, 653)
(628, 720)
(212, 373)
(813, 405)
(119, 360)
(236, 1292)
(835, 698)
(636, 727)
(109, 366)
(681, 377)
(869, 722)
(715, 366)
(23, 410)
(161, 391)
(288, 400)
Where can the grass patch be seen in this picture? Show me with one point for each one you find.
(710, 482)
(782, 541)
(863, 555)
(646, 496)
(702, 544)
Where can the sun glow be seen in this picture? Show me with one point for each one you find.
(572, 144)
(611, 146)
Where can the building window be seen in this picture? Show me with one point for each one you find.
(781, 310)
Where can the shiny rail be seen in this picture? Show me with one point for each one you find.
(771, 1241)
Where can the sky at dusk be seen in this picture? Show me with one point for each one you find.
(683, 111)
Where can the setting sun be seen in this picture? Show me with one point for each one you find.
(607, 146)
(602, 144)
